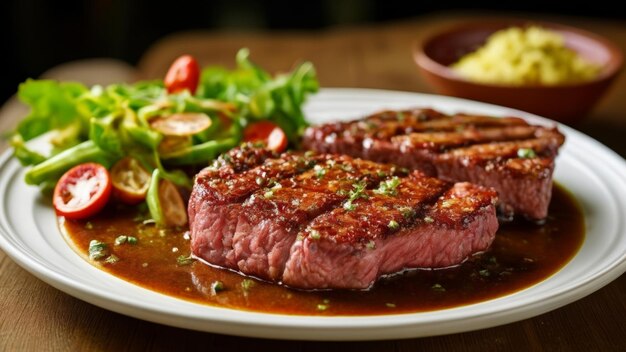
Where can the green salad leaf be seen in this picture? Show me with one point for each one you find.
(261, 97)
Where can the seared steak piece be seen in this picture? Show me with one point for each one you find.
(508, 154)
(318, 221)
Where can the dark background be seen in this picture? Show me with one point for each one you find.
(39, 34)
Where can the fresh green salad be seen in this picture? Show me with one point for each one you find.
(131, 142)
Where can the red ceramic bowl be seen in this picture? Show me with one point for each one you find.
(566, 103)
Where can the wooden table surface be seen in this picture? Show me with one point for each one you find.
(35, 316)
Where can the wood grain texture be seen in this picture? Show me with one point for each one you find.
(35, 316)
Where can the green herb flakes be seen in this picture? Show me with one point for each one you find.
(371, 244)
(247, 284)
(217, 286)
(322, 307)
(407, 212)
(393, 225)
(388, 187)
(349, 206)
(429, 220)
(121, 239)
(185, 260)
(97, 250)
(526, 153)
(438, 288)
(358, 191)
(390, 305)
(484, 273)
(132, 240)
(319, 171)
(315, 235)
(89, 225)
(112, 259)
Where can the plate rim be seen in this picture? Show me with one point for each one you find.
(318, 326)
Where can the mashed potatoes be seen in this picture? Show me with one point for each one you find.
(522, 56)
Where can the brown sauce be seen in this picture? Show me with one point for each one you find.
(522, 255)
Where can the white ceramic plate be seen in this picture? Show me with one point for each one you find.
(596, 175)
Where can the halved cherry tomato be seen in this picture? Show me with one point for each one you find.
(130, 181)
(82, 191)
(172, 204)
(269, 133)
(183, 74)
(181, 124)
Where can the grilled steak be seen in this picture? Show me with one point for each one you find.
(318, 221)
(508, 154)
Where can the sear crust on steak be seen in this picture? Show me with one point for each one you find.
(321, 221)
(508, 154)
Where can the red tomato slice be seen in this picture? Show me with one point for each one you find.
(82, 191)
(183, 74)
(268, 132)
(130, 181)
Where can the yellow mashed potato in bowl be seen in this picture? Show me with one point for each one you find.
(525, 56)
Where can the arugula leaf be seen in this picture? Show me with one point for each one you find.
(53, 106)
(261, 97)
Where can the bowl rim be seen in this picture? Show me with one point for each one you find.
(427, 63)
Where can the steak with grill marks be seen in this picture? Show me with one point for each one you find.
(319, 221)
(508, 154)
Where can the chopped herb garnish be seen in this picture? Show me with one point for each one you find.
(371, 244)
(319, 171)
(268, 194)
(89, 225)
(447, 203)
(185, 260)
(429, 220)
(357, 192)
(381, 174)
(112, 259)
(526, 153)
(388, 187)
(132, 240)
(349, 206)
(342, 193)
(407, 212)
(217, 286)
(260, 181)
(390, 305)
(393, 225)
(346, 167)
(97, 250)
(400, 116)
(121, 239)
(322, 307)
(438, 288)
(247, 284)
(314, 235)
(309, 153)
(484, 272)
